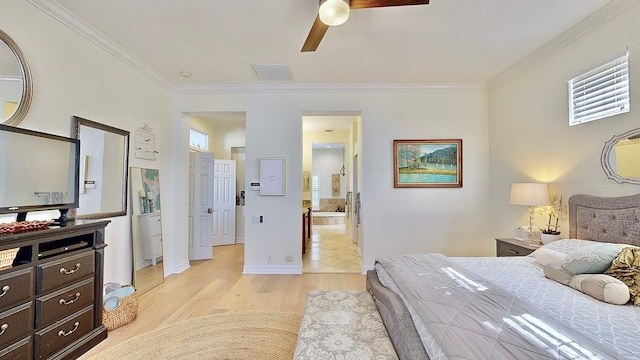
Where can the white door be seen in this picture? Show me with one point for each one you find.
(200, 206)
(224, 202)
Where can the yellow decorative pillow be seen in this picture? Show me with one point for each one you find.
(626, 268)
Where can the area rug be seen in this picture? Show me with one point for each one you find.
(232, 335)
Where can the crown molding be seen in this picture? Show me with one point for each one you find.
(60, 13)
(608, 12)
(327, 88)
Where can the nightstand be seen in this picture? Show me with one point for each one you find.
(513, 247)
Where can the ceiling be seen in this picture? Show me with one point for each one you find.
(445, 42)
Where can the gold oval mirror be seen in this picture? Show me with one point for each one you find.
(15, 82)
(620, 157)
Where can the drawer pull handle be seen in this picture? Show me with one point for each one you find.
(69, 302)
(75, 327)
(3, 328)
(512, 251)
(69, 272)
(5, 290)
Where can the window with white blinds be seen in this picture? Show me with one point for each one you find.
(600, 93)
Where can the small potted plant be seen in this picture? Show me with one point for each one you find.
(557, 211)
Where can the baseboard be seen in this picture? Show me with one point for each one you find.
(366, 268)
(177, 269)
(239, 240)
(272, 269)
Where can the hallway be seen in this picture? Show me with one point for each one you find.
(331, 251)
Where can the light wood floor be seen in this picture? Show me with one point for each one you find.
(215, 286)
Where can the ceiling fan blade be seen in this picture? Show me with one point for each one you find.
(364, 4)
(315, 35)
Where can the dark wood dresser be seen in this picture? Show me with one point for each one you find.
(51, 295)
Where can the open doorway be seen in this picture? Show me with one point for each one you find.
(328, 143)
(222, 136)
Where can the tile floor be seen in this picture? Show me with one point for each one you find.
(330, 250)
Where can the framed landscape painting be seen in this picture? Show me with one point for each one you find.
(427, 163)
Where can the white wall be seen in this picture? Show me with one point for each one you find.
(394, 220)
(529, 133)
(326, 163)
(228, 135)
(72, 76)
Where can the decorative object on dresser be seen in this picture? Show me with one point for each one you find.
(513, 247)
(531, 195)
(104, 154)
(51, 299)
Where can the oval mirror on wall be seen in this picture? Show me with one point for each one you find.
(620, 157)
(15, 82)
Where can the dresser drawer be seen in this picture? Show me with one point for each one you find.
(18, 351)
(56, 274)
(16, 287)
(506, 249)
(16, 324)
(63, 302)
(55, 337)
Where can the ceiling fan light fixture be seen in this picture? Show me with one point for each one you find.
(334, 12)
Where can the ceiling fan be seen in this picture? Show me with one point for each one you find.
(336, 12)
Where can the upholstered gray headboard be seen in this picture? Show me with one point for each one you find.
(606, 219)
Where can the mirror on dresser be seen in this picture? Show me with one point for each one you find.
(620, 156)
(104, 160)
(15, 82)
(146, 228)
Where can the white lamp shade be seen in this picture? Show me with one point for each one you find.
(334, 12)
(530, 194)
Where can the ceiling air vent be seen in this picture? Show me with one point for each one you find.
(271, 72)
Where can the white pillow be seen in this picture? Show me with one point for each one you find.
(546, 256)
(602, 287)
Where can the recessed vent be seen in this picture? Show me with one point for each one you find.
(273, 72)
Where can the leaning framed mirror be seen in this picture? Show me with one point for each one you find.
(15, 82)
(620, 156)
(104, 162)
(146, 228)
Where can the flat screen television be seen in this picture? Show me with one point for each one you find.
(38, 171)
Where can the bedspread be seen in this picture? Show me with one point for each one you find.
(464, 316)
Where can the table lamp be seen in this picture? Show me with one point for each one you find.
(531, 195)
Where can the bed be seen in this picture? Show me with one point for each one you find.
(435, 307)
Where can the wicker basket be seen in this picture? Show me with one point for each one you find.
(121, 315)
(7, 256)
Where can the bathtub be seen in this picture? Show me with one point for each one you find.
(327, 218)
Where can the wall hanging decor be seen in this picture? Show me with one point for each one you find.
(145, 143)
(272, 176)
(427, 163)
